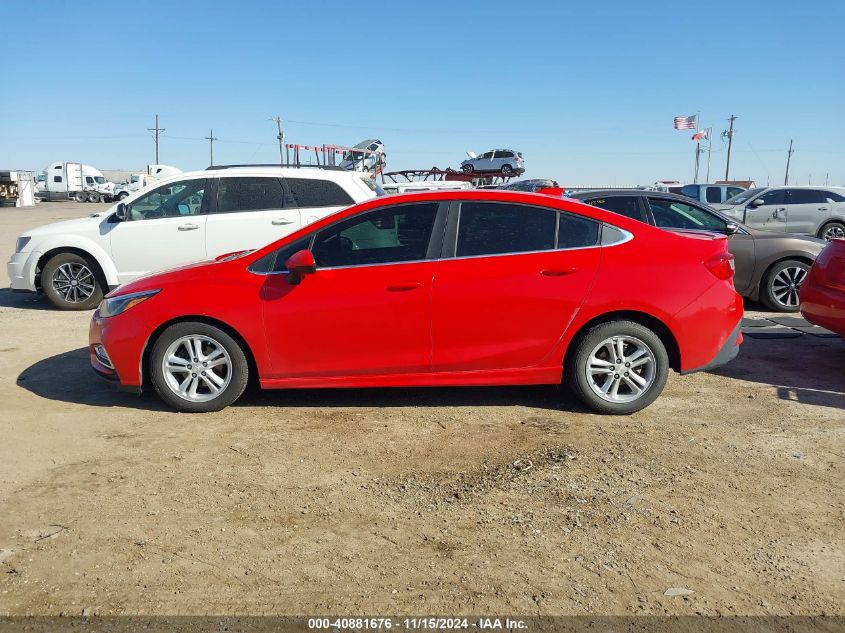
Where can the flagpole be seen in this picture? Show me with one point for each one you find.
(697, 145)
(709, 148)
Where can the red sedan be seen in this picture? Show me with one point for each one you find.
(823, 291)
(433, 289)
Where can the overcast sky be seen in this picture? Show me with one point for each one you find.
(586, 91)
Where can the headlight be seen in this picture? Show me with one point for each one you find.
(115, 305)
(21, 243)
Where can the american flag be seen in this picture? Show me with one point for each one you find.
(685, 122)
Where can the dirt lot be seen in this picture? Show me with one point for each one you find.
(408, 501)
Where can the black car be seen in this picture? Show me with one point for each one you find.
(769, 266)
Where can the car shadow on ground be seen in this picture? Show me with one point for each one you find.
(23, 300)
(80, 385)
(806, 369)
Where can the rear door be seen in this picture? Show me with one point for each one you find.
(249, 212)
(316, 197)
(806, 210)
(511, 279)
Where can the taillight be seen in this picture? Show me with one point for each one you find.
(722, 265)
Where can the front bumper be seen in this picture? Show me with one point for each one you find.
(21, 270)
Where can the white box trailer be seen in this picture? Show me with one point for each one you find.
(76, 181)
(17, 189)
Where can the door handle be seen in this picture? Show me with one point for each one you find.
(403, 286)
(823, 208)
(281, 222)
(558, 272)
(188, 227)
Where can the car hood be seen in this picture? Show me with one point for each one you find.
(724, 207)
(77, 225)
(813, 244)
(171, 276)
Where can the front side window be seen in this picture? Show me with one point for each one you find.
(670, 214)
(89, 180)
(713, 194)
(275, 261)
(387, 235)
(487, 155)
(316, 192)
(249, 194)
(57, 178)
(775, 196)
(492, 228)
(743, 196)
(629, 206)
(169, 201)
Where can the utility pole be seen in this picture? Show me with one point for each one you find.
(156, 133)
(211, 138)
(730, 135)
(788, 157)
(281, 138)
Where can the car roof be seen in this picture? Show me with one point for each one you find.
(264, 170)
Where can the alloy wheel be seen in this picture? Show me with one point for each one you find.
(833, 232)
(621, 369)
(197, 368)
(786, 284)
(74, 282)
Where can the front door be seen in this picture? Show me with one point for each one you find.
(770, 215)
(517, 277)
(366, 310)
(165, 228)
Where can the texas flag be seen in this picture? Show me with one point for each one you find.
(700, 136)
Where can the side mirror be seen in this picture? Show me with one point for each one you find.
(757, 202)
(299, 264)
(122, 213)
(731, 228)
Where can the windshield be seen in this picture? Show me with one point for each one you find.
(99, 180)
(745, 196)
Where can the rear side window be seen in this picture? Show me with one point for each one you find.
(573, 231)
(629, 206)
(804, 196)
(713, 194)
(315, 192)
(833, 196)
(57, 178)
(249, 194)
(733, 191)
(490, 228)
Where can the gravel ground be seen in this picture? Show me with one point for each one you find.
(725, 497)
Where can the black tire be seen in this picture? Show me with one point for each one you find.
(776, 293)
(93, 196)
(832, 230)
(57, 279)
(655, 372)
(467, 169)
(122, 195)
(80, 196)
(236, 374)
(507, 170)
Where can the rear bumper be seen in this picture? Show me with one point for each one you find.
(728, 352)
(823, 306)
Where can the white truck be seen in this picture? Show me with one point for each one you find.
(140, 180)
(75, 181)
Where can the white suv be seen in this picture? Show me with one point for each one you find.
(177, 220)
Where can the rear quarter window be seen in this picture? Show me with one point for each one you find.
(316, 192)
(629, 206)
